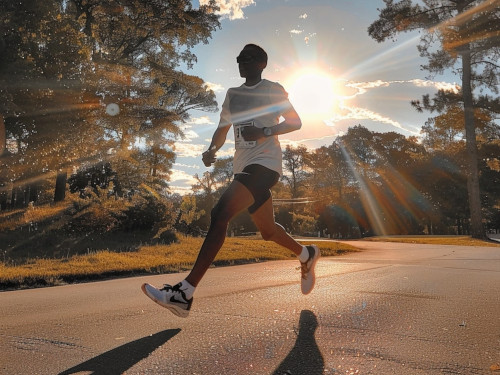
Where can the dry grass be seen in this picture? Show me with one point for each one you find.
(178, 257)
(10, 220)
(149, 259)
(436, 240)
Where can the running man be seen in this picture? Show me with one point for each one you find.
(254, 110)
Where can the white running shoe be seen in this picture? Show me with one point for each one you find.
(307, 270)
(170, 297)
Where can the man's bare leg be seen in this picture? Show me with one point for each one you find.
(178, 298)
(234, 200)
(272, 231)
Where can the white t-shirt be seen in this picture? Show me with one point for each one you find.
(260, 105)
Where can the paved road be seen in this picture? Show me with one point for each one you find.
(391, 309)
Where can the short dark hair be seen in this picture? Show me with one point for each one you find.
(260, 55)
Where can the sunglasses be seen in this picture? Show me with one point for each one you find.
(245, 59)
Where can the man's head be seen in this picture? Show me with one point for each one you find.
(251, 59)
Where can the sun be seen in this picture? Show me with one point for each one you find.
(313, 93)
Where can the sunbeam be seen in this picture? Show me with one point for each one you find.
(385, 60)
(394, 204)
(368, 200)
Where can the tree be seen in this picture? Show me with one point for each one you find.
(294, 162)
(329, 172)
(64, 62)
(444, 135)
(381, 165)
(136, 49)
(468, 32)
(39, 74)
(189, 213)
(210, 186)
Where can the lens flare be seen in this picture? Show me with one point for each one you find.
(313, 93)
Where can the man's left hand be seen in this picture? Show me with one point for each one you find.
(252, 133)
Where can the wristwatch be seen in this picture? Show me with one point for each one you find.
(267, 132)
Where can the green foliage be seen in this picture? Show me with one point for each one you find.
(98, 213)
(147, 211)
(189, 213)
(303, 224)
(63, 63)
(461, 36)
(295, 172)
(101, 212)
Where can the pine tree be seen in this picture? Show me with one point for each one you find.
(467, 33)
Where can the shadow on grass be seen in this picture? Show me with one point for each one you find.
(305, 357)
(119, 360)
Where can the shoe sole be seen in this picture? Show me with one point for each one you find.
(172, 308)
(312, 272)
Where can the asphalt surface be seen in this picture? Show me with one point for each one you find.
(390, 309)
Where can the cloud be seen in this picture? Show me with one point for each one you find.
(203, 120)
(215, 87)
(188, 150)
(181, 190)
(291, 143)
(356, 113)
(181, 182)
(177, 175)
(307, 38)
(453, 87)
(190, 135)
(353, 89)
(192, 166)
(232, 9)
(226, 153)
(363, 87)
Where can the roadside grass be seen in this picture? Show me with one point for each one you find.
(180, 256)
(436, 240)
(10, 220)
(156, 259)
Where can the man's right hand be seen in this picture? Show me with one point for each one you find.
(208, 157)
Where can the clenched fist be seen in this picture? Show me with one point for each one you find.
(208, 157)
(252, 133)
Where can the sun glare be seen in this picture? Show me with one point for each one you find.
(313, 93)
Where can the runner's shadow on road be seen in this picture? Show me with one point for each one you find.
(305, 357)
(119, 360)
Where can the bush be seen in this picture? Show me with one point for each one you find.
(166, 237)
(147, 211)
(99, 214)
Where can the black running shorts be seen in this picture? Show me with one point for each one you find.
(259, 180)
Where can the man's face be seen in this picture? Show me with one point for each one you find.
(247, 63)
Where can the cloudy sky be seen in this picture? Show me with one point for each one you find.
(320, 51)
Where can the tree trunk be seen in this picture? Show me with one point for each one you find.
(60, 191)
(3, 136)
(155, 164)
(477, 229)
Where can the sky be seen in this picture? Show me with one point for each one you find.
(320, 51)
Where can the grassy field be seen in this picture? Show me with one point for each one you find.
(147, 260)
(178, 257)
(436, 240)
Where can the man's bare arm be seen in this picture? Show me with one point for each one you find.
(291, 123)
(218, 140)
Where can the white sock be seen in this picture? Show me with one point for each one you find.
(187, 288)
(304, 255)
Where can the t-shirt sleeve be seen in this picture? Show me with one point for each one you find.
(279, 98)
(225, 114)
